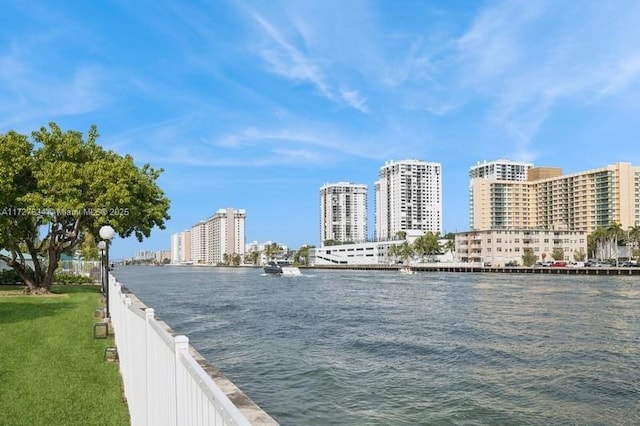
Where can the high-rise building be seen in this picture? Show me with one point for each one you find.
(181, 247)
(343, 212)
(225, 230)
(199, 242)
(501, 170)
(408, 196)
(580, 201)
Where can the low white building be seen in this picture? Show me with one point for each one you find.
(369, 253)
(501, 246)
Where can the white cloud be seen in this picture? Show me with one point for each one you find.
(353, 98)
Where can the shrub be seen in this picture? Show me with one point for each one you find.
(9, 277)
(64, 278)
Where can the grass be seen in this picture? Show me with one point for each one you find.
(51, 368)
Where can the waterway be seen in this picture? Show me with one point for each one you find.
(382, 348)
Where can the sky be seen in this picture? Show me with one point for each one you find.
(255, 105)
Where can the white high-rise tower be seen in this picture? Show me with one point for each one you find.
(343, 212)
(408, 198)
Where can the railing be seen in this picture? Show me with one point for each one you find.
(163, 383)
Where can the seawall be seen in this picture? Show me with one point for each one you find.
(434, 267)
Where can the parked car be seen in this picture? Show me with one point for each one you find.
(630, 264)
(559, 264)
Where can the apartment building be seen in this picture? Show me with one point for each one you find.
(501, 170)
(199, 242)
(549, 200)
(225, 234)
(343, 212)
(498, 247)
(408, 196)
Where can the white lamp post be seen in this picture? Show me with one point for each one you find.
(102, 246)
(106, 233)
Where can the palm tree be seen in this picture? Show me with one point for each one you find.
(615, 232)
(271, 250)
(633, 236)
(596, 242)
(450, 245)
(302, 255)
(429, 245)
(252, 257)
(405, 251)
(421, 247)
(393, 251)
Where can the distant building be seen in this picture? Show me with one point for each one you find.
(343, 212)
(162, 255)
(408, 196)
(181, 247)
(144, 255)
(225, 234)
(199, 242)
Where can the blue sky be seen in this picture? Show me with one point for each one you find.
(257, 104)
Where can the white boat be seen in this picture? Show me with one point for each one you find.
(281, 267)
(406, 271)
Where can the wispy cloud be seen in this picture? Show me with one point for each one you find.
(524, 58)
(300, 63)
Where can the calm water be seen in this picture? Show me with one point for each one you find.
(381, 348)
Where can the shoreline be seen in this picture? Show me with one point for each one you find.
(485, 269)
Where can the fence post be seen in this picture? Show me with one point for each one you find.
(149, 315)
(181, 343)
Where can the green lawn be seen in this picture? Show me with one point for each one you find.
(51, 368)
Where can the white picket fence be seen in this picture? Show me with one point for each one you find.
(163, 383)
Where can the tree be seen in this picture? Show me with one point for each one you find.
(89, 248)
(427, 245)
(596, 242)
(302, 255)
(615, 233)
(450, 245)
(59, 188)
(528, 258)
(393, 251)
(633, 236)
(405, 251)
(579, 256)
(401, 235)
(252, 257)
(271, 250)
(557, 254)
